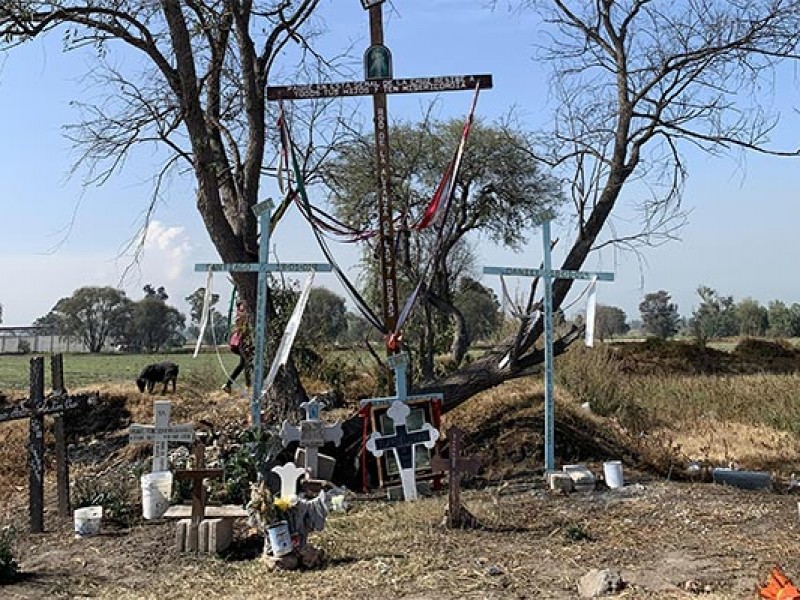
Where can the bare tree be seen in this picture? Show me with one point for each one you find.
(636, 82)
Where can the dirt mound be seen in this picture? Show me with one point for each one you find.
(505, 430)
(661, 357)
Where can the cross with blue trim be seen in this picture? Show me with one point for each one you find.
(547, 274)
(263, 211)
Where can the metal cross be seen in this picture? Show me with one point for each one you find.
(161, 434)
(378, 82)
(402, 444)
(263, 210)
(547, 274)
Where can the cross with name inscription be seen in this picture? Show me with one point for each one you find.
(311, 434)
(378, 82)
(263, 210)
(35, 408)
(161, 434)
(455, 465)
(402, 443)
(547, 273)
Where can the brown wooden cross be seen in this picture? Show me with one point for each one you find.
(35, 408)
(378, 82)
(454, 465)
(197, 475)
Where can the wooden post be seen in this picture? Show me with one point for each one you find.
(457, 515)
(36, 447)
(62, 461)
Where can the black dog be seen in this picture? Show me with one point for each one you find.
(158, 373)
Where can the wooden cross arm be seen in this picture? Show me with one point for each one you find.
(199, 473)
(463, 465)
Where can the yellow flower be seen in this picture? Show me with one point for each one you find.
(282, 504)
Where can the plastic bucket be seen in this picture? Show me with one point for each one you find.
(279, 539)
(156, 492)
(612, 472)
(87, 521)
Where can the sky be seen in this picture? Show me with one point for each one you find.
(57, 235)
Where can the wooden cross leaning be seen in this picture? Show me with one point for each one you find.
(454, 465)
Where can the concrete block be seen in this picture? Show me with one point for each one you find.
(181, 532)
(192, 538)
(219, 535)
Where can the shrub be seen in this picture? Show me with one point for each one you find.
(115, 492)
(9, 568)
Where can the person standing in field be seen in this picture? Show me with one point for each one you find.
(241, 344)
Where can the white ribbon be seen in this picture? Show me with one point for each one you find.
(591, 305)
(282, 355)
(206, 312)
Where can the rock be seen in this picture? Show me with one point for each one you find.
(494, 570)
(599, 582)
(288, 562)
(310, 556)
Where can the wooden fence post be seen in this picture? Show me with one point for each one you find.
(62, 461)
(36, 446)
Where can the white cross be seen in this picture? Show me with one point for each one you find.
(402, 443)
(161, 434)
(289, 474)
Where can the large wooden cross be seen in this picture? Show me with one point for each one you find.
(34, 409)
(263, 210)
(378, 82)
(161, 434)
(454, 465)
(547, 273)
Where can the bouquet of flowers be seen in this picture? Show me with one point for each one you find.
(264, 509)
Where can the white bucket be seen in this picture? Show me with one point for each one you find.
(87, 521)
(612, 471)
(156, 492)
(279, 539)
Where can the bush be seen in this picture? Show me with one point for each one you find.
(24, 347)
(9, 568)
(115, 492)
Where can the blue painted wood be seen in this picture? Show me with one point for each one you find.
(548, 274)
(263, 210)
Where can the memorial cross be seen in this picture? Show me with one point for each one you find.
(378, 82)
(402, 444)
(454, 465)
(289, 474)
(547, 274)
(197, 476)
(35, 408)
(161, 434)
(263, 210)
(399, 363)
(311, 434)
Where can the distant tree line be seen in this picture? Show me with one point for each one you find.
(716, 316)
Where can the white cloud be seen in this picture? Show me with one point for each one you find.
(166, 253)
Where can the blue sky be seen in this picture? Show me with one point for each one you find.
(56, 236)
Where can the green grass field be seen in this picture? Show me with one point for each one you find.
(82, 370)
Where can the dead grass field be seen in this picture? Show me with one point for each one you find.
(668, 537)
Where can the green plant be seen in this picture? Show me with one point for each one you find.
(9, 568)
(249, 460)
(575, 532)
(114, 491)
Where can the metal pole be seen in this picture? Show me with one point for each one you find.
(549, 417)
(262, 210)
